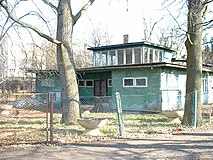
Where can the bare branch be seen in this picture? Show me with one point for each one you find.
(2, 34)
(1, 1)
(208, 24)
(179, 27)
(29, 26)
(207, 2)
(50, 4)
(33, 13)
(153, 26)
(82, 10)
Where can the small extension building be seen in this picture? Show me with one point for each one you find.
(143, 73)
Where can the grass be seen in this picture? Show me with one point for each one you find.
(135, 124)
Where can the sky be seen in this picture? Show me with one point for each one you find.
(116, 17)
(119, 18)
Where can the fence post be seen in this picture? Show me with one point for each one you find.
(47, 119)
(194, 108)
(119, 113)
(51, 118)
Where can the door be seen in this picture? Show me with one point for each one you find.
(100, 88)
(205, 90)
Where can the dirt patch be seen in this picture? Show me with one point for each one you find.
(192, 144)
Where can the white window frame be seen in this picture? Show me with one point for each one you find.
(128, 78)
(87, 81)
(134, 81)
(109, 84)
(204, 85)
(145, 78)
(79, 83)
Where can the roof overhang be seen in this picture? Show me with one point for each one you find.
(206, 68)
(131, 45)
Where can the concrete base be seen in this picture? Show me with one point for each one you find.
(92, 125)
(174, 120)
(93, 132)
(173, 116)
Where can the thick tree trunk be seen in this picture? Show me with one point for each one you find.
(194, 61)
(66, 67)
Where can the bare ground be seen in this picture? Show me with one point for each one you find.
(190, 145)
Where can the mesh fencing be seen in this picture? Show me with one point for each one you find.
(27, 118)
(139, 116)
(23, 118)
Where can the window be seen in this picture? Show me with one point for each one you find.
(156, 55)
(137, 52)
(150, 55)
(128, 56)
(109, 83)
(112, 58)
(205, 85)
(135, 82)
(145, 56)
(104, 58)
(89, 83)
(141, 82)
(47, 83)
(160, 56)
(81, 83)
(97, 59)
(128, 82)
(121, 56)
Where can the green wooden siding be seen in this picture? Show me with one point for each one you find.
(89, 91)
(56, 87)
(138, 98)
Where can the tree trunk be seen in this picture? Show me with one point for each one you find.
(66, 67)
(194, 61)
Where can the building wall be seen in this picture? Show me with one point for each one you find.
(210, 89)
(138, 98)
(173, 82)
(89, 91)
(173, 88)
(49, 83)
(165, 87)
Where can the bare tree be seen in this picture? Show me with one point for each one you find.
(196, 15)
(43, 57)
(82, 57)
(3, 62)
(196, 21)
(208, 51)
(148, 28)
(66, 67)
(100, 37)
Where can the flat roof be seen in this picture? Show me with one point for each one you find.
(206, 68)
(130, 45)
(144, 65)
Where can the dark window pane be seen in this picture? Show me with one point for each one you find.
(89, 83)
(110, 83)
(128, 82)
(141, 82)
(81, 83)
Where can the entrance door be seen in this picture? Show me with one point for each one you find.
(100, 88)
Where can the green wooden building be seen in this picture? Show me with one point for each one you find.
(143, 73)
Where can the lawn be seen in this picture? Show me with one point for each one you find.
(29, 123)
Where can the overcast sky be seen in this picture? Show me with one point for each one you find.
(119, 17)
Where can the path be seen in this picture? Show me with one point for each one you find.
(197, 145)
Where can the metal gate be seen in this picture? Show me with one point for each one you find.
(25, 118)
